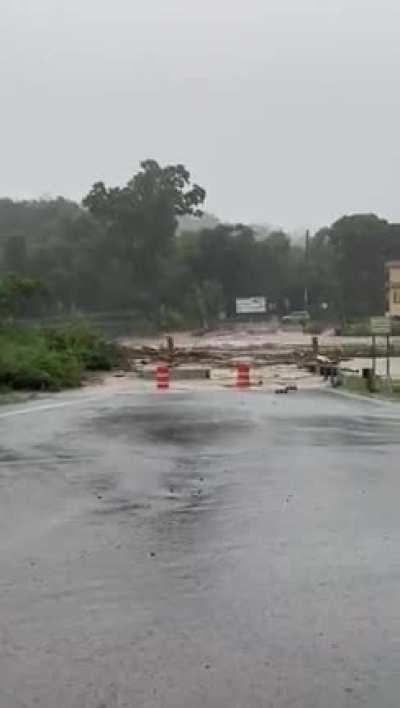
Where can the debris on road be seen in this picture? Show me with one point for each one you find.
(274, 356)
(287, 389)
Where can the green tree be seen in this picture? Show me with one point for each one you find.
(141, 220)
(15, 292)
(15, 257)
(358, 247)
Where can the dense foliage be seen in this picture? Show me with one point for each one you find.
(122, 250)
(51, 359)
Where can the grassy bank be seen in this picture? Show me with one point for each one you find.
(51, 359)
(362, 328)
(357, 384)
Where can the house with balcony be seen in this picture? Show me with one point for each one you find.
(392, 277)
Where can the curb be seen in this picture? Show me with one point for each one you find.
(359, 397)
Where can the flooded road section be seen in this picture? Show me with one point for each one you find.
(213, 549)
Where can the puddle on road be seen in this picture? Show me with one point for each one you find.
(171, 426)
(124, 506)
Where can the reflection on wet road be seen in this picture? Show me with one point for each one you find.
(219, 549)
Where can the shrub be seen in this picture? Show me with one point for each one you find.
(34, 366)
(101, 357)
(85, 344)
(51, 359)
(314, 327)
(396, 387)
(356, 329)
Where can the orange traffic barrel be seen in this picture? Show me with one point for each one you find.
(162, 377)
(243, 375)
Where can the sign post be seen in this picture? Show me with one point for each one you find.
(381, 327)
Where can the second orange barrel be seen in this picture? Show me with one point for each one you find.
(162, 377)
(243, 375)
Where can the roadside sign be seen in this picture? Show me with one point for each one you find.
(251, 305)
(381, 326)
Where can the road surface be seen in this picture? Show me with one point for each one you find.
(210, 549)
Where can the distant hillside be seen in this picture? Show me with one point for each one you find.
(261, 231)
(191, 223)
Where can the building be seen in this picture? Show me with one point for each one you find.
(392, 272)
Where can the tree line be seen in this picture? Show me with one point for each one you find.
(123, 248)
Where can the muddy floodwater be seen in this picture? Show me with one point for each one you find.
(255, 335)
(200, 549)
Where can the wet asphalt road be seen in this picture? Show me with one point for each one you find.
(214, 550)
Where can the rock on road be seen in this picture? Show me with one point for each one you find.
(213, 550)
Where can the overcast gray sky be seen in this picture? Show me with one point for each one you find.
(287, 111)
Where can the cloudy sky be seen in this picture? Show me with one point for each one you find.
(287, 111)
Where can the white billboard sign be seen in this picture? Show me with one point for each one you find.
(251, 305)
(380, 325)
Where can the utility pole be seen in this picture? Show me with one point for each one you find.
(374, 355)
(306, 275)
(388, 352)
